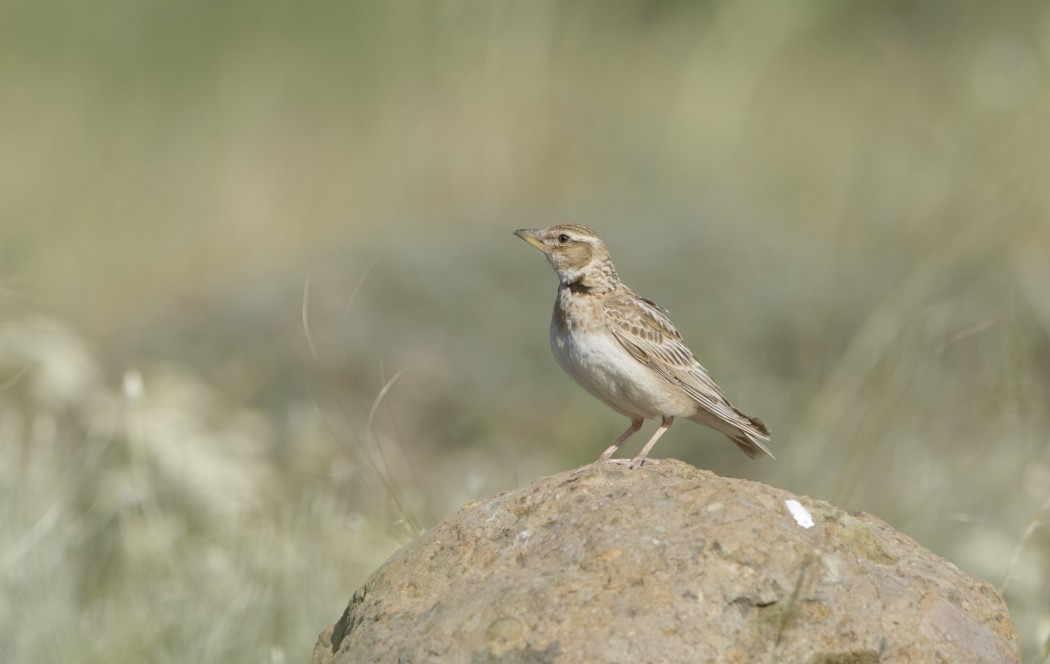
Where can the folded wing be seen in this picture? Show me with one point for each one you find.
(644, 329)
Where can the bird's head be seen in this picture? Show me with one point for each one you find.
(571, 249)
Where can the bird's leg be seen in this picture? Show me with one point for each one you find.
(636, 424)
(640, 459)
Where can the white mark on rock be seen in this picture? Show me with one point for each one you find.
(801, 514)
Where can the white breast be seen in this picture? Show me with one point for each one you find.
(597, 361)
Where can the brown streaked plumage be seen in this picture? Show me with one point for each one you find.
(625, 350)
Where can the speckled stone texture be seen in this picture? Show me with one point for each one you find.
(667, 563)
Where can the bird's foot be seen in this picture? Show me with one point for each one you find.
(632, 464)
(638, 462)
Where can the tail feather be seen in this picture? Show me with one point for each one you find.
(759, 425)
(747, 438)
(751, 440)
(751, 446)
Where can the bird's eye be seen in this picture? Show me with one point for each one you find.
(563, 238)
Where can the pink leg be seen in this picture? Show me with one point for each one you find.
(636, 424)
(640, 459)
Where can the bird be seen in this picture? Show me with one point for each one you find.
(624, 349)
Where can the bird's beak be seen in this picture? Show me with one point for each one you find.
(531, 236)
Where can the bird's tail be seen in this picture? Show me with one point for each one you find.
(752, 445)
(749, 435)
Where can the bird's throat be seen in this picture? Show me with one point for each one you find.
(577, 287)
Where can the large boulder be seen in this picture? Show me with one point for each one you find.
(667, 563)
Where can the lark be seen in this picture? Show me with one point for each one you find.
(625, 350)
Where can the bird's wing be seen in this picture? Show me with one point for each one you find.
(644, 329)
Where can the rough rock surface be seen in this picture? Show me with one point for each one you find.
(667, 563)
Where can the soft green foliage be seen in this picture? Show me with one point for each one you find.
(845, 207)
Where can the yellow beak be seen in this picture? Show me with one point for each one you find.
(530, 235)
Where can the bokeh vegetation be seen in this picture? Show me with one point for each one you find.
(845, 206)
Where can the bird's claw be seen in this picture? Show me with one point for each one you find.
(632, 464)
(637, 463)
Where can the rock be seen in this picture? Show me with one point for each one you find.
(667, 563)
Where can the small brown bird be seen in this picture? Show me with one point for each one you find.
(624, 350)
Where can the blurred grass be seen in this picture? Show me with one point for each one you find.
(845, 208)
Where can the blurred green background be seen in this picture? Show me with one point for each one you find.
(845, 207)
